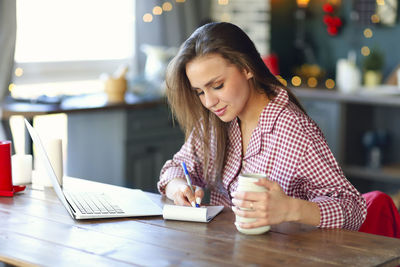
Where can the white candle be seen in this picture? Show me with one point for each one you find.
(53, 149)
(55, 154)
(21, 169)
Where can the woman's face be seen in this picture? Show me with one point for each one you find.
(220, 85)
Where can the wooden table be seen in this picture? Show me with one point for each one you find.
(35, 229)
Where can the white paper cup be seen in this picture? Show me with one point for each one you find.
(246, 184)
(21, 169)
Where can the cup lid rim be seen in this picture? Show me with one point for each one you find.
(3, 142)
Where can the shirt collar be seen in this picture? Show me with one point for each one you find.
(271, 112)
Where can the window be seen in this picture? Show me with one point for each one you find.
(62, 48)
(71, 40)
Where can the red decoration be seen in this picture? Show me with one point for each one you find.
(328, 8)
(332, 22)
(337, 21)
(332, 30)
(272, 62)
(328, 19)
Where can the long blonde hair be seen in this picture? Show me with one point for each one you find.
(233, 44)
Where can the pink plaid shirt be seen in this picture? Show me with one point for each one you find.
(290, 148)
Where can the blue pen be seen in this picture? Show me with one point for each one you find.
(188, 179)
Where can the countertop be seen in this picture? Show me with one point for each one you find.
(82, 103)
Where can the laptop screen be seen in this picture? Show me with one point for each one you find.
(46, 163)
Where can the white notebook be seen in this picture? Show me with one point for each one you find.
(185, 213)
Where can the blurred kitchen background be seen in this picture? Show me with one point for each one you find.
(92, 73)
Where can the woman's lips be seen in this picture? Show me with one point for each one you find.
(220, 112)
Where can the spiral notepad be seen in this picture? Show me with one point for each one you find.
(185, 213)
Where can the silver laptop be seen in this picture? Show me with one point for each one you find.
(116, 202)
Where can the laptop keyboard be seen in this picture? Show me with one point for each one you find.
(93, 203)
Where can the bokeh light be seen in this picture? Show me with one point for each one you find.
(330, 84)
(19, 72)
(281, 80)
(365, 51)
(312, 82)
(296, 81)
(167, 6)
(368, 33)
(147, 17)
(157, 10)
(380, 2)
(11, 87)
(375, 18)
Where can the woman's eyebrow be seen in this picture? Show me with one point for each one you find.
(209, 83)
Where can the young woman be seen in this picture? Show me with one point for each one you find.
(238, 118)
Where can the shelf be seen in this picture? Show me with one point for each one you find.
(385, 174)
(360, 97)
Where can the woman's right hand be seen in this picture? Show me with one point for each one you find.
(179, 191)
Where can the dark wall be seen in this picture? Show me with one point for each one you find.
(282, 34)
(328, 49)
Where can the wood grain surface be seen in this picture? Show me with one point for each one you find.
(36, 230)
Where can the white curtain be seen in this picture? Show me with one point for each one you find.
(8, 27)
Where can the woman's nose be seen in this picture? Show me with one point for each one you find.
(210, 100)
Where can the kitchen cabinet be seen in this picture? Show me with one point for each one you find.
(125, 147)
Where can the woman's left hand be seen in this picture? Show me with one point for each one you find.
(271, 207)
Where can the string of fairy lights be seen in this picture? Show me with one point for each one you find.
(158, 10)
(368, 33)
(167, 6)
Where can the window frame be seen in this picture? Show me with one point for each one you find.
(58, 71)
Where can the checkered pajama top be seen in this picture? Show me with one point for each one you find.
(290, 148)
